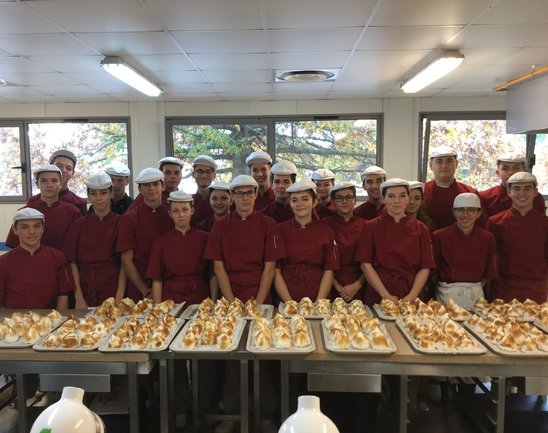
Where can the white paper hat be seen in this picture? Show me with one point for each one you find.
(46, 168)
(223, 186)
(63, 152)
(99, 181)
(28, 213)
(284, 168)
(170, 160)
(302, 185)
(180, 196)
(522, 177)
(443, 151)
(342, 185)
(243, 180)
(117, 169)
(205, 160)
(148, 175)
(258, 157)
(395, 181)
(372, 170)
(467, 199)
(415, 184)
(322, 174)
(511, 157)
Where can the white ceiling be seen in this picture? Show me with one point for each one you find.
(216, 50)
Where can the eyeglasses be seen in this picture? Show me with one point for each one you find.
(467, 209)
(201, 172)
(242, 194)
(339, 198)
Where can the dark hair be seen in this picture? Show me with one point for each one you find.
(310, 191)
(388, 187)
(292, 176)
(18, 221)
(109, 188)
(191, 203)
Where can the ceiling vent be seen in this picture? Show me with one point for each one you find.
(307, 75)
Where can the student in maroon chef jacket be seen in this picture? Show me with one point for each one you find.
(176, 265)
(204, 170)
(464, 255)
(66, 161)
(394, 250)
(60, 214)
(521, 233)
(440, 192)
(324, 180)
(496, 199)
(415, 208)
(259, 164)
(220, 199)
(372, 178)
(90, 248)
(33, 275)
(139, 227)
(119, 174)
(348, 281)
(311, 252)
(284, 174)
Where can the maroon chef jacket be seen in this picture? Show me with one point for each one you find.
(139, 200)
(202, 209)
(66, 196)
(138, 228)
(91, 244)
(347, 234)
(367, 210)
(263, 200)
(59, 217)
(397, 251)
(522, 245)
(311, 250)
(464, 258)
(244, 246)
(496, 199)
(34, 281)
(326, 211)
(206, 225)
(177, 260)
(278, 212)
(439, 202)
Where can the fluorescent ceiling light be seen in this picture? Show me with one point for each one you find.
(442, 65)
(116, 67)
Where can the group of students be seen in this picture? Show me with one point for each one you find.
(267, 236)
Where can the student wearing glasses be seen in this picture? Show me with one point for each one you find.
(372, 178)
(394, 250)
(324, 180)
(204, 170)
(284, 174)
(307, 270)
(348, 280)
(464, 255)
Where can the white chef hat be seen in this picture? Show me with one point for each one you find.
(372, 170)
(415, 184)
(117, 169)
(342, 185)
(180, 197)
(322, 174)
(511, 157)
(63, 152)
(243, 180)
(223, 186)
(467, 199)
(148, 175)
(46, 168)
(522, 177)
(395, 181)
(443, 151)
(99, 180)
(302, 185)
(170, 160)
(205, 160)
(258, 157)
(28, 213)
(284, 168)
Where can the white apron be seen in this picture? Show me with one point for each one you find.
(464, 294)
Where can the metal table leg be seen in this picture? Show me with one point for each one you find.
(195, 394)
(284, 390)
(256, 395)
(21, 403)
(244, 399)
(133, 397)
(403, 404)
(501, 404)
(164, 401)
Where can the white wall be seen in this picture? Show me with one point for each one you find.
(401, 123)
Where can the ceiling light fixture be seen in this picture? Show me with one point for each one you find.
(3, 83)
(307, 76)
(439, 67)
(116, 67)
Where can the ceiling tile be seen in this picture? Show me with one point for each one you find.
(44, 44)
(19, 18)
(177, 77)
(230, 61)
(516, 12)
(131, 43)
(503, 36)
(237, 41)
(257, 76)
(244, 88)
(407, 37)
(165, 62)
(313, 40)
(320, 60)
(38, 79)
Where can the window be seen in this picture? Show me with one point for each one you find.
(540, 169)
(26, 145)
(345, 145)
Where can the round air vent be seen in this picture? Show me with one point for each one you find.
(306, 76)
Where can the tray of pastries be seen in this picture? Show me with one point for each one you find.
(222, 308)
(356, 334)
(510, 336)
(75, 334)
(391, 310)
(526, 311)
(25, 329)
(127, 307)
(438, 335)
(322, 308)
(280, 335)
(149, 334)
(209, 334)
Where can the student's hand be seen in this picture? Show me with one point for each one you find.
(81, 304)
(349, 291)
(409, 298)
(391, 298)
(118, 298)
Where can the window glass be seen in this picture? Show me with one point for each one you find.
(540, 169)
(10, 162)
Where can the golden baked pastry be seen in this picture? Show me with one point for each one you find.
(281, 338)
(359, 341)
(262, 339)
(301, 338)
(30, 335)
(50, 341)
(70, 340)
(291, 308)
(224, 341)
(190, 340)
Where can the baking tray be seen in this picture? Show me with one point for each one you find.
(265, 309)
(104, 347)
(177, 343)
(20, 344)
(353, 351)
(478, 348)
(174, 312)
(382, 315)
(541, 325)
(501, 351)
(316, 316)
(290, 350)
